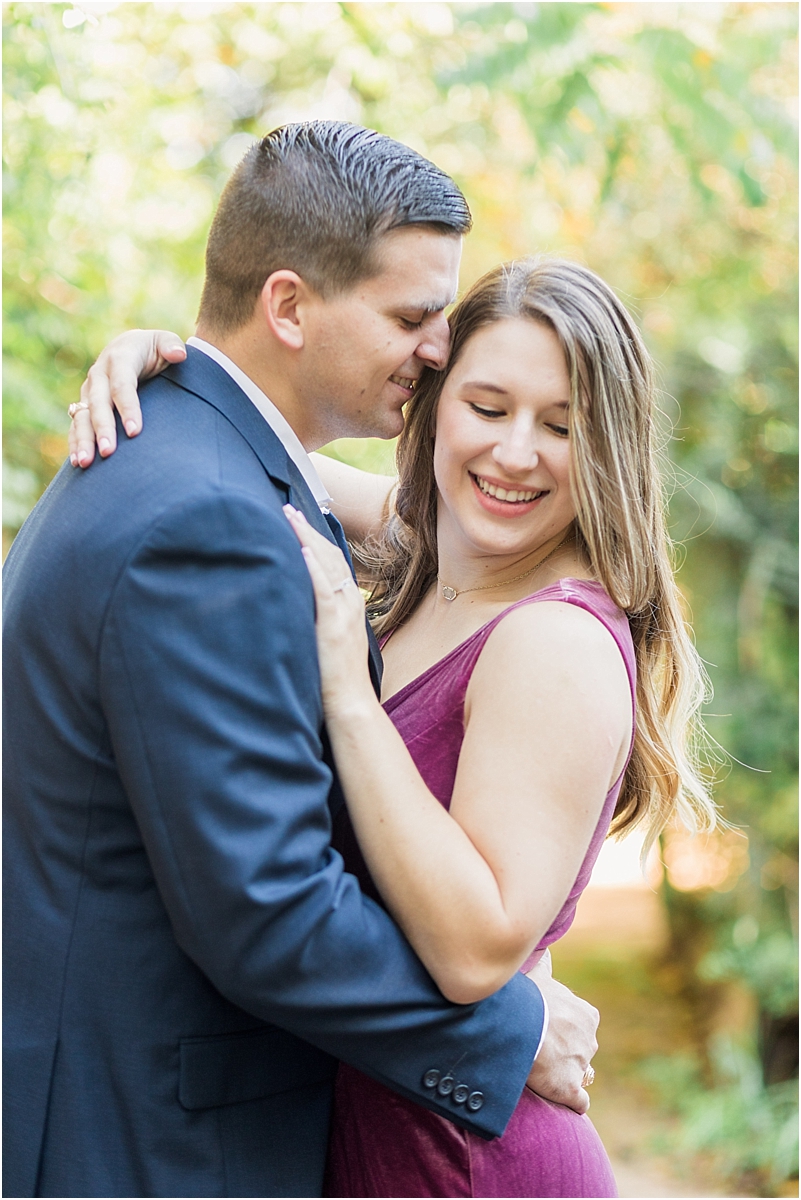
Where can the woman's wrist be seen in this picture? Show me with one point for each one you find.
(350, 704)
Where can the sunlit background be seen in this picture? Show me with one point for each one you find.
(657, 144)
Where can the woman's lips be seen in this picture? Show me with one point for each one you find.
(505, 502)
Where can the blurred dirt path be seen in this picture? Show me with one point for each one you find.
(628, 1130)
(605, 958)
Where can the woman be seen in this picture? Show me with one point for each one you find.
(540, 687)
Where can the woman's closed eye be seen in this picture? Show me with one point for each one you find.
(486, 412)
(560, 430)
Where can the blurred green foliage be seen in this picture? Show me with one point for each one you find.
(654, 142)
(750, 1130)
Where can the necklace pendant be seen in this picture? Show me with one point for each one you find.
(448, 592)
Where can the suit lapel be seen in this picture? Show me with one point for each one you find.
(207, 380)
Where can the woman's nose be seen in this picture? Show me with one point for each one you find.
(516, 452)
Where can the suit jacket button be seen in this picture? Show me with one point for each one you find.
(460, 1093)
(446, 1085)
(475, 1101)
(431, 1079)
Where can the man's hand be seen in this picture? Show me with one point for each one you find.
(111, 383)
(569, 1044)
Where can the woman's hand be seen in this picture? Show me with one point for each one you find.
(111, 383)
(341, 632)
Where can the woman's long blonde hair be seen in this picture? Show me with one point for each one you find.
(620, 522)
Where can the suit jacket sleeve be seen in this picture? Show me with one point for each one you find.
(210, 686)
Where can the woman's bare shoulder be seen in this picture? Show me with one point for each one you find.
(548, 643)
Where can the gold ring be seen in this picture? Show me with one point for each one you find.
(76, 408)
(587, 1077)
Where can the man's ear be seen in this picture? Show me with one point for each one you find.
(283, 298)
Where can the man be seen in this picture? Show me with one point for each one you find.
(185, 956)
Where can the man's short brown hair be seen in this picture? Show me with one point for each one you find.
(314, 198)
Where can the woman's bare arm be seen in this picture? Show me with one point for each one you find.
(360, 498)
(548, 721)
(477, 888)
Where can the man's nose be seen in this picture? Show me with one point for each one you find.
(435, 342)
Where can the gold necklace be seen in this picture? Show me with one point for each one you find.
(450, 593)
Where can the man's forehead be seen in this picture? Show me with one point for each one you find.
(417, 242)
(418, 269)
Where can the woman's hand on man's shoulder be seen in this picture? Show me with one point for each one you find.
(111, 383)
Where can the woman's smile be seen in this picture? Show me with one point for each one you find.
(509, 500)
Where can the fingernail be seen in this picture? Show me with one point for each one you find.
(300, 516)
(131, 428)
(103, 445)
(82, 457)
(290, 511)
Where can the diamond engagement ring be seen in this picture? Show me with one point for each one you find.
(587, 1077)
(341, 586)
(76, 408)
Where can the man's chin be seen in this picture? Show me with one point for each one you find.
(395, 424)
(387, 429)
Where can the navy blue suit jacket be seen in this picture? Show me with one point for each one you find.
(185, 955)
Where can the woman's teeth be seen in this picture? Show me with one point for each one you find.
(511, 497)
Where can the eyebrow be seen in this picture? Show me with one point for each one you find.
(483, 385)
(436, 306)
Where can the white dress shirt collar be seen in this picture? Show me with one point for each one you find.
(275, 419)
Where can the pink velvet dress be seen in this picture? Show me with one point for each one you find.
(385, 1145)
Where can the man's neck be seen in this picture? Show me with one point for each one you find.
(246, 349)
